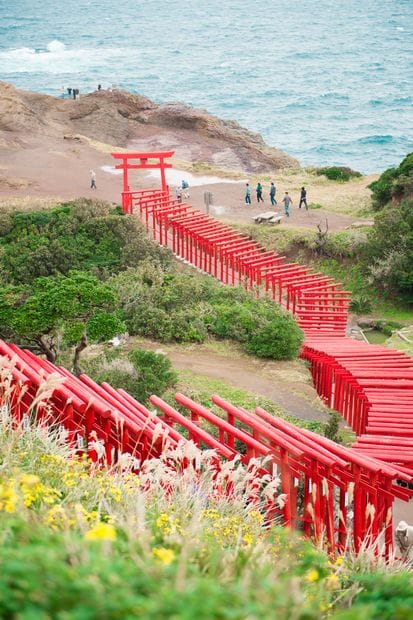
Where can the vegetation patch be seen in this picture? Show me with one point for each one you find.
(338, 173)
(79, 542)
(177, 307)
(394, 184)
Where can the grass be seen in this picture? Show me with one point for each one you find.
(199, 167)
(97, 543)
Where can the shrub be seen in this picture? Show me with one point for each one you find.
(389, 255)
(332, 428)
(279, 339)
(394, 183)
(361, 304)
(144, 373)
(85, 235)
(338, 173)
(182, 308)
(155, 372)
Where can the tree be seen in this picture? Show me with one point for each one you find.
(73, 307)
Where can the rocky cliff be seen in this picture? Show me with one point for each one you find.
(121, 119)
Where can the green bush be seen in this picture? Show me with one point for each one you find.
(394, 183)
(332, 428)
(85, 235)
(144, 373)
(338, 173)
(181, 308)
(381, 596)
(155, 372)
(279, 339)
(389, 255)
(361, 304)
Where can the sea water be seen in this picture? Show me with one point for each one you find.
(328, 81)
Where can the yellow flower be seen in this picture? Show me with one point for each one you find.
(101, 531)
(211, 514)
(166, 556)
(29, 480)
(8, 497)
(312, 576)
(116, 494)
(56, 518)
(248, 539)
(332, 582)
(339, 561)
(254, 515)
(162, 520)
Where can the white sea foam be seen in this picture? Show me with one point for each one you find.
(175, 177)
(56, 58)
(111, 170)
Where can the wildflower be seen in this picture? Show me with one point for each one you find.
(101, 531)
(254, 515)
(116, 494)
(56, 518)
(29, 480)
(332, 582)
(8, 497)
(211, 514)
(312, 576)
(338, 561)
(33, 491)
(163, 523)
(248, 539)
(166, 556)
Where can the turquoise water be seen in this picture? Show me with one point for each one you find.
(329, 81)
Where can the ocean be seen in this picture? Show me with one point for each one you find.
(328, 81)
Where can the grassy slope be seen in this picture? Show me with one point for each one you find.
(81, 543)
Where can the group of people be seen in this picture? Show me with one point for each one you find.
(287, 200)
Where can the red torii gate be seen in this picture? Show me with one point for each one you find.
(142, 163)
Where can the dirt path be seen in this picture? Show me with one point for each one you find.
(286, 384)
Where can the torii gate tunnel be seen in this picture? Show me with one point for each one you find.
(342, 495)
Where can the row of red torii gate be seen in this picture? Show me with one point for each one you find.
(344, 495)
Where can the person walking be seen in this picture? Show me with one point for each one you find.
(178, 194)
(303, 199)
(287, 200)
(93, 179)
(247, 194)
(272, 194)
(258, 189)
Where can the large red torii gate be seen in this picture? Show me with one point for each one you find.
(141, 161)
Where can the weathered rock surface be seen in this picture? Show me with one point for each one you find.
(124, 120)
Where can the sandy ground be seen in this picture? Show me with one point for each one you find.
(60, 169)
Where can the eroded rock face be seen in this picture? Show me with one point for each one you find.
(122, 119)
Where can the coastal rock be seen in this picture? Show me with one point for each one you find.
(124, 120)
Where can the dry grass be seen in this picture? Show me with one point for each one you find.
(27, 203)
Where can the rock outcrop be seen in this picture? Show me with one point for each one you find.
(124, 120)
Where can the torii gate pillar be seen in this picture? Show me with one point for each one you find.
(142, 161)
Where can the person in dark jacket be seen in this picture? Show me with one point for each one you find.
(303, 198)
(258, 189)
(272, 194)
